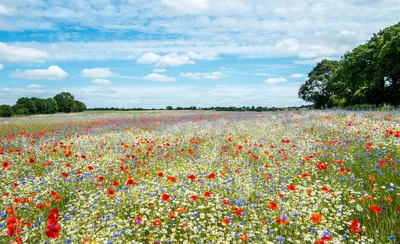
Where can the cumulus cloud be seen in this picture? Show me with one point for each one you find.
(202, 56)
(159, 78)
(101, 82)
(171, 59)
(97, 73)
(34, 86)
(276, 80)
(198, 76)
(187, 6)
(159, 70)
(297, 76)
(21, 54)
(52, 73)
(1, 66)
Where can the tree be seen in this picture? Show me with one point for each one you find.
(52, 106)
(31, 106)
(6, 111)
(315, 89)
(80, 106)
(169, 108)
(19, 109)
(41, 105)
(64, 101)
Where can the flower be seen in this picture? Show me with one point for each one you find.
(273, 205)
(355, 226)
(291, 187)
(316, 218)
(157, 222)
(207, 194)
(375, 209)
(166, 197)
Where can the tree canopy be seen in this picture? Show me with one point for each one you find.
(369, 74)
(63, 102)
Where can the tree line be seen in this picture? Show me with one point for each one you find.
(369, 74)
(63, 102)
(230, 108)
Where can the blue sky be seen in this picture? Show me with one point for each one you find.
(155, 53)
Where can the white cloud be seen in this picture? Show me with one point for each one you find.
(101, 82)
(202, 56)
(4, 10)
(310, 61)
(34, 86)
(297, 76)
(149, 58)
(21, 54)
(97, 73)
(1, 66)
(171, 59)
(52, 73)
(159, 70)
(159, 78)
(198, 76)
(289, 45)
(4, 89)
(275, 80)
(187, 6)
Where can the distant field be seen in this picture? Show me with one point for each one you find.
(201, 177)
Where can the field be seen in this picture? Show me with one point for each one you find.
(168, 177)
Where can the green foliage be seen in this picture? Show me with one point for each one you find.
(6, 111)
(369, 74)
(315, 89)
(63, 102)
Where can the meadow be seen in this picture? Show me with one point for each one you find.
(201, 177)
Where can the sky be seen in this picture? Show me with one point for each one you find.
(158, 53)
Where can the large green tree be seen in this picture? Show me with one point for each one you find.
(315, 89)
(65, 101)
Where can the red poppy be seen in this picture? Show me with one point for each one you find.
(316, 218)
(115, 183)
(375, 209)
(138, 220)
(192, 177)
(171, 178)
(111, 192)
(355, 226)
(207, 194)
(211, 176)
(225, 202)
(281, 221)
(65, 175)
(130, 182)
(157, 222)
(291, 187)
(160, 174)
(53, 230)
(90, 167)
(193, 198)
(225, 221)
(273, 205)
(100, 178)
(6, 164)
(166, 197)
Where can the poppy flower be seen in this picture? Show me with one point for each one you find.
(90, 168)
(138, 220)
(115, 183)
(6, 164)
(157, 222)
(375, 209)
(226, 202)
(111, 192)
(130, 182)
(355, 226)
(166, 197)
(65, 175)
(291, 187)
(225, 221)
(211, 176)
(53, 230)
(273, 205)
(193, 198)
(192, 177)
(160, 174)
(316, 218)
(100, 178)
(207, 194)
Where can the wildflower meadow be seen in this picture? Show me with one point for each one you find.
(201, 177)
